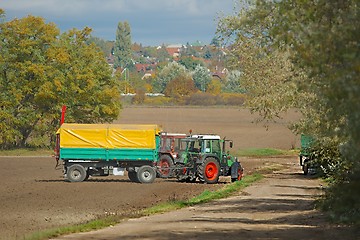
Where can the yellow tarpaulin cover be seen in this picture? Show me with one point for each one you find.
(108, 135)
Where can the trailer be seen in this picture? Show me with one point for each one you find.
(305, 154)
(104, 149)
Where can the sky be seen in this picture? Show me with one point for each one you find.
(152, 22)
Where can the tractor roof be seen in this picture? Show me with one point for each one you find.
(206, 136)
(173, 134)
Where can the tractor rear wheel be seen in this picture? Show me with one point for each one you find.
(165, 165)
(209, 170)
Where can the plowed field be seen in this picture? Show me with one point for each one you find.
(34, 196)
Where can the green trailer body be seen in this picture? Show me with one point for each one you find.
(305, 154)
(103, 149)
(103, 154)
(306, 143)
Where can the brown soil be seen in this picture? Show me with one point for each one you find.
(35, 197)
(233, 123)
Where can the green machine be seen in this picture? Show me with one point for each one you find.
(205, 158)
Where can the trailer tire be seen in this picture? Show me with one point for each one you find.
(76, 173)
(209, 170)
(306, 167)
(133, 176)
(146, 174)
(165, 165)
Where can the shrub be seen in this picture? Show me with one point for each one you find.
(237, 99)
(201, 98)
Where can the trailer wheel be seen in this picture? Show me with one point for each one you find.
(306, 167)
(209, 170)
(164, 165)
(76, 173)
(133, 176)
(146, 174)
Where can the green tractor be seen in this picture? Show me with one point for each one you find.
(204, 158)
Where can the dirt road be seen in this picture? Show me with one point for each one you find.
(278, 207)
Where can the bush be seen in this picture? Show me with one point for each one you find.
(196, 99)
(237, 99)
(201, 98)
(158, 101)
(341, 199)
(208, 99)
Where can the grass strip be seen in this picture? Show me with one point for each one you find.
(111, 220)
(248, 152)
(261, 152)
(27, 152)
(205, 196)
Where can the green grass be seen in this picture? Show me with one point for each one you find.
(27, 152)
(107, 221)
(262, 152)
(249, 152)
(85, 227)
(206, 196)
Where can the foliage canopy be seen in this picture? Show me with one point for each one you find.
(306, 54)
(40, 71)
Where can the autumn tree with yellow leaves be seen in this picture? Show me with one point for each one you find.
(41, 70)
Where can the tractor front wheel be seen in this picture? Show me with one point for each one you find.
(209, 170)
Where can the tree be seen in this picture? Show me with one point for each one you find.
(207, 53)
(214, 87)
(162, 54)
(82, 79)
(180, 86)
(122, 48)
(232, 83)
(105, 46)
(327, 50)
(265, 69)
(23, 64)
(190, 63)
(312, 48)
(40, 71)
(168, 73)
(215, 42)
(202, 78)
